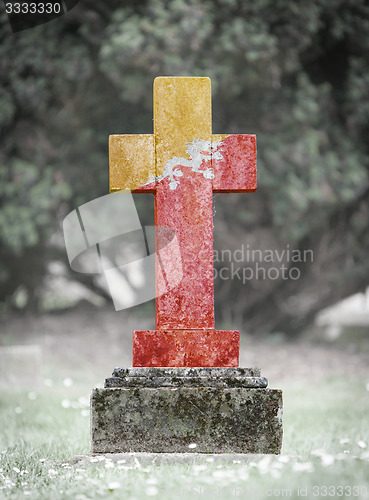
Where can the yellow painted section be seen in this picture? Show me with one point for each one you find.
(131, 161)
(182, 113)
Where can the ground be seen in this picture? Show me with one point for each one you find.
(326, 403)
(88, 342)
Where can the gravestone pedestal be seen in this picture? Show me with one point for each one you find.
(165, 410)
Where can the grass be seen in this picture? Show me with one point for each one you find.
(325, 451)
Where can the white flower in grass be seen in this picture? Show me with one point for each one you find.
(275, 473)
(192, 446)
(327, 460)
(109, 465)
(121, 461)
(8, 483)
(18, 410)
(152, 491)
(344, 440)
(67, 382)
(85, 413)
(32, 396)
(26, 492)
(83, 401)
(361, 444)
(114, 485)
(65, 403)
(303, 467)
(94, 459)
(219, 474)
(152, 480)
(367, 386)
(264, 464)
(199, 467)
(243, 474)
(15, 469)
(210, 459)
(52, 472)
(42, 460)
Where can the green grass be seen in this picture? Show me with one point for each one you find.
(323, 424)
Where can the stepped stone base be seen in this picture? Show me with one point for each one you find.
(169, 410)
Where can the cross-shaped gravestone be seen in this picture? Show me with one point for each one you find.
(225, 409)
(183, 164)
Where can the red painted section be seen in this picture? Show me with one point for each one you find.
(185, 334)
(185, 348)
(188, 210)
(236, 172)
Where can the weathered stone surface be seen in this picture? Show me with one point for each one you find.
(131, 162)
(217, 420)
(164, 371)
(186, 377)
(240, 150)
(254, 382)
(186, 348)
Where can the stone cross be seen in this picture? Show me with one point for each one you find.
(183, 164)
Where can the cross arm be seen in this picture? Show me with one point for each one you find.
(132, 163)
(235, 167)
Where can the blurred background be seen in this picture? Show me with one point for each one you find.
(296, 74)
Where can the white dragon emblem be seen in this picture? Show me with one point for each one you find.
(198, 151)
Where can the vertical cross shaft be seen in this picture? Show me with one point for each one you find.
(182, 113)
